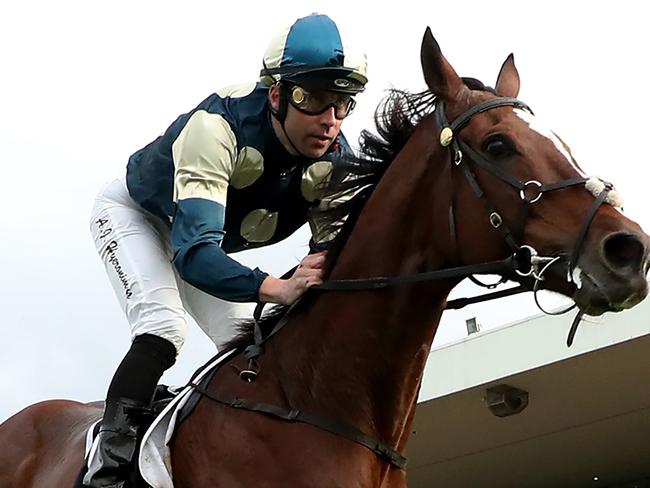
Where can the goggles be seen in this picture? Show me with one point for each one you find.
(315, 103)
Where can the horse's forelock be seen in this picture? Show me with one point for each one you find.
(477, 85)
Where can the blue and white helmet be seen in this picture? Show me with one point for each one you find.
(311, 53)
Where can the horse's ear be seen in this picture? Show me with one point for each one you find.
(441, 78)
(508, 79)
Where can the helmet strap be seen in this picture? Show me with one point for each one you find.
(281, 114)
(283, 103)
(284, 131)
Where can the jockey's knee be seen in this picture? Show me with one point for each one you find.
(161, 314)
(173, 330)
(175, 334)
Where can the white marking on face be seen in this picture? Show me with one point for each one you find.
(614, 199)
(576, 277)
(535, 124)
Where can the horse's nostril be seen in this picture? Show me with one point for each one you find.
(625, 251)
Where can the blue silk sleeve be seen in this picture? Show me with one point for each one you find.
(197, 232)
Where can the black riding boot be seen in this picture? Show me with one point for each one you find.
(117, 439)
(129, 395)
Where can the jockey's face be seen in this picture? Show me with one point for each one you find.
(311, 135)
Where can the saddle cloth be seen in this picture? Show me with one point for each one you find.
(154, 458)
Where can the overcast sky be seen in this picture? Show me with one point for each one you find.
(85, 84)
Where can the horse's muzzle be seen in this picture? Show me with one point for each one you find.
(614, 278)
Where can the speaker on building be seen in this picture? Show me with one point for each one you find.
(505, 400)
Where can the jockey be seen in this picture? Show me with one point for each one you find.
(261, 150)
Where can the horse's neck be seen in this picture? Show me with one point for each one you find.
(365, 350)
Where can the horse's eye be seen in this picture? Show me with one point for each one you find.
(498, 147)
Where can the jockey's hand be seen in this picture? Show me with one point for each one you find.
(308, 274)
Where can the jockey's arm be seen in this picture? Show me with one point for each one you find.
(205, 155)
(197, 232)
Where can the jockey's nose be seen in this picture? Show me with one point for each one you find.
(328, 117)
(626, 253)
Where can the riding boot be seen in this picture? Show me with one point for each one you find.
(109, 462)
(129, 396)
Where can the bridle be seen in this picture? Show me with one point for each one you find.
(524, 262)
(530, 192)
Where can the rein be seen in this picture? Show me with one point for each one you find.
(524, 262)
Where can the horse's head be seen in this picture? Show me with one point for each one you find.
(516, 183)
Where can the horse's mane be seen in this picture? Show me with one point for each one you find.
(354, 179)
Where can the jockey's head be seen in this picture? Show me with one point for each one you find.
(309, 69)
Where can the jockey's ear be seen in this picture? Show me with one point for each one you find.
(508, 79)
(441, 78)
(274, 97)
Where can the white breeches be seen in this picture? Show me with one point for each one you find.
(135, 247)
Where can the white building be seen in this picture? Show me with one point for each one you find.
(587, 423)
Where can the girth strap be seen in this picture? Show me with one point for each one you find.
(341, 429)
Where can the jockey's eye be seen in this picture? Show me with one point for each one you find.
(498, 147)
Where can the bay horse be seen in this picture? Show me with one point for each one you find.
(460, 175)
